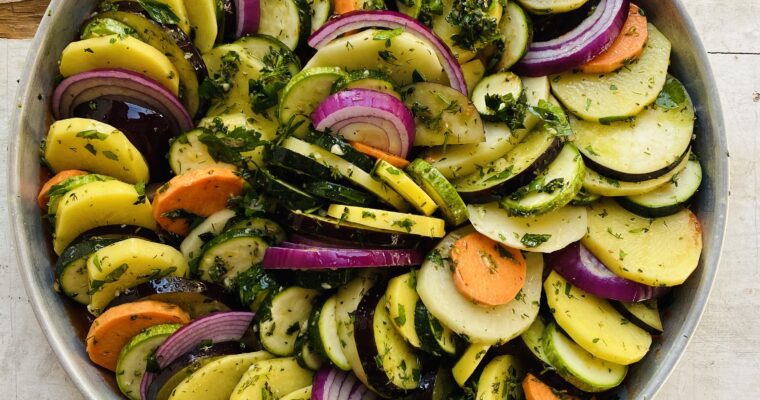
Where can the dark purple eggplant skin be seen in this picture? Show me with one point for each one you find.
(148, 130)
(119, 232)
(499, 191)
(349, 236)
(634, 319)
(217, 349)
(196, 297)
(364, 335)
(626, 177)
(548, 27)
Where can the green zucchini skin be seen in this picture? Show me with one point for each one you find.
(287, 194)
(219, 263)
(440, 190)
(337, 193)
(435, 338)
(282, 316)
(341, 148)
(290, 160)
(71, 268)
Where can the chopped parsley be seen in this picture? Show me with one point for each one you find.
(531, 240)
(275, 74)
(159, 12)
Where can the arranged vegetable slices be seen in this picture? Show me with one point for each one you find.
(334, 200)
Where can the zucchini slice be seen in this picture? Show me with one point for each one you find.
(578, 366)
(264, 227)
(440, 190)
(232, 68)
(500, 84)
(272, 379)
(584, 198)
(398, 57)
(594, 324)
(656, 252)
(543, 233)
(290, 160)
(516, 31)
(342, 149)
(552, 189)
(337, 193)
(370, 79)
(644, 314)
(348, 171)
(619, 95)
(389, 220)
(533, 340)
(435, 338)
(208, 229)
(551, 6)
(222, 375)
(321, 10)
(303, 94)
(323, 332)
(230, 254)
(489, 325)
(442, 115)
(260, 46)
(648, 146)
(601, 185)
(71, 268)
(283, 315)
(502, 176)
(669, 198)
(286, 194)
(134, 358)
(468, 362)
(399, 181)
(346, 303)
(409, 7)
(187, 153)
(287, 20)
(306, 353)
(501, 379)
(393, 368)
(401, 302)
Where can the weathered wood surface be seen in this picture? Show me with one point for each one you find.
(723, 359)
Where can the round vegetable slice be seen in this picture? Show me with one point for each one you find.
(135, 355)
(128, 86)
(113, 329)
(367, 116)
(323, 258)
(335, 233)
(484, 325)
(392, 20)
(582, 44)
(334, 384)
(627, 46)
(581, 268)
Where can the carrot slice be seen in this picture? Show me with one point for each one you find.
(344, 6)
(534, 389)
(627, 47)
(396, 161)
(486, 271)
(199, 192)
(42, 198)
(113, 329)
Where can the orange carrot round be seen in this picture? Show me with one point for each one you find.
(199, 192)
(627, 47)
(113, 329)
(534, 389)
(391, 159)
(486, 271)
(344, 6)
(42, 197)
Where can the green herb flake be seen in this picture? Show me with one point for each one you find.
(92, 134)
(400, 320)
(159, 12)
(110, 155)
(531, 240)
(91, 149)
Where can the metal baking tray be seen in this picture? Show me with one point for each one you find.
(32, 117)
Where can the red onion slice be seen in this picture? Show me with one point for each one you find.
(334, 384)
(356, 20)
(130, 86)
(579, 46)
(248, 14)
(349, 113)
(581, 268)
(217, 328)
(329, 258)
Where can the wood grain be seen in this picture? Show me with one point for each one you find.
(19, 20)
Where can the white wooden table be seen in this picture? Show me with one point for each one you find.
(723, 359)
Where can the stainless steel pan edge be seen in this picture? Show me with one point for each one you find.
(28, 127)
